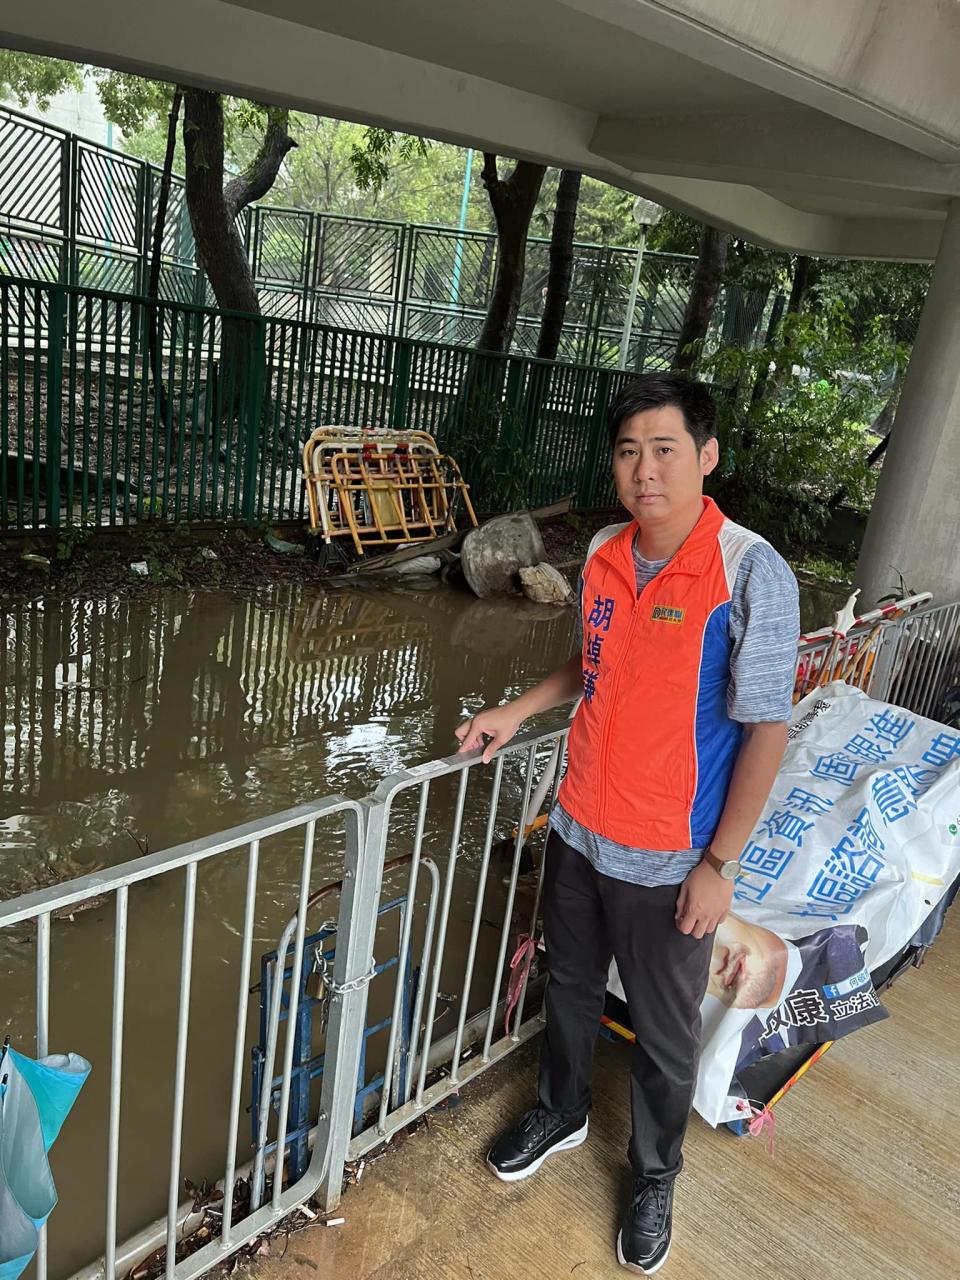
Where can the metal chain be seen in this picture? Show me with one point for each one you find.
(326, 976)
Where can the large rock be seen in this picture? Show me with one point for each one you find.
(543, 584)
(493, 555)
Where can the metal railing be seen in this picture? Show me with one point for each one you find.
(453, 819)
(79, 213)
(918, 666)
(42, 909)
(476, 1028)
(912, 661)
(486, 802)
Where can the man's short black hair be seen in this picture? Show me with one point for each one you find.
(656, 391)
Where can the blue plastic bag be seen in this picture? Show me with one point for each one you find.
(34, 1102)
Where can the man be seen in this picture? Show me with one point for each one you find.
(690, 628)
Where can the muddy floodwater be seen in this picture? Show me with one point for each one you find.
(131, 726)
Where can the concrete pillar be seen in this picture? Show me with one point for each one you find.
(914, 527)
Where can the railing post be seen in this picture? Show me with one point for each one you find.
(405, 251)
(56, 335)
(356, 934)
(145, 185)
(400, 389)
(73, 171)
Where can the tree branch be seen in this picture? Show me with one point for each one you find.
(256, 181)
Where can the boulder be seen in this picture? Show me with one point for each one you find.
(493, 555)
(543, 584)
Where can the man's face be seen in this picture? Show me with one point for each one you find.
(657, 468)
(748, 967)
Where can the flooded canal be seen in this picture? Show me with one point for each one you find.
(133, 725)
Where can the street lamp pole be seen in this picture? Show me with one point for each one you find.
(458, 250)
(646, 214)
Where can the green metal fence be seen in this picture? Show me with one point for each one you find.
(78, 213)
(90, 437)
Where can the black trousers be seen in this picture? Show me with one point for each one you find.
(588, 918)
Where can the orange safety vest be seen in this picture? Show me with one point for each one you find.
(651, 747)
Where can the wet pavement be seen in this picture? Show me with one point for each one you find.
(862, 1182)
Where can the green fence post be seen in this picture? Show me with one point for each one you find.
(56, 335)
(400, 388)
(66, 225)
(514, 399)
(587, 488)
(256, 373)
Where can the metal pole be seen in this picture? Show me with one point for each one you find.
(458, 251)
(632, 301)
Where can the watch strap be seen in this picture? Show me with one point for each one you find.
(718, 863)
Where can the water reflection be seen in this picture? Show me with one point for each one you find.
(173, 717)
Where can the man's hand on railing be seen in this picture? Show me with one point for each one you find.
(491, 729)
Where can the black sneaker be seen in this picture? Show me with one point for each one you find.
(644, 1240)
(520, 1152)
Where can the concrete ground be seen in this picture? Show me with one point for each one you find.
(863, 1182)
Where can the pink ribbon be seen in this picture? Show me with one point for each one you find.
(760, 1118)
(519, 968)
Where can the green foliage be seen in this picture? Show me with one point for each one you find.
(371, 158)
(794, 419)
(130, 102)
(823, 567)
(27, 75)
(69, 538)
(894, 290)
(485, 441)
(164, 571)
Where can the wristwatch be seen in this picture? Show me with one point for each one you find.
(728, 868)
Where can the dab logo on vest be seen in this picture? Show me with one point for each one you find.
(665, 613)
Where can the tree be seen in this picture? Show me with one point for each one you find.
(805, 274)
(561, 264)
(707, 278)
(214, 207)
(786, 455)
(512, 200)
(27, 75)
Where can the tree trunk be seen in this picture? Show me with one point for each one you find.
(156, 261)
(214, 209)
(163, 195)
(707, 277)
(561, 264)
(512, 200)
(804, 276)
